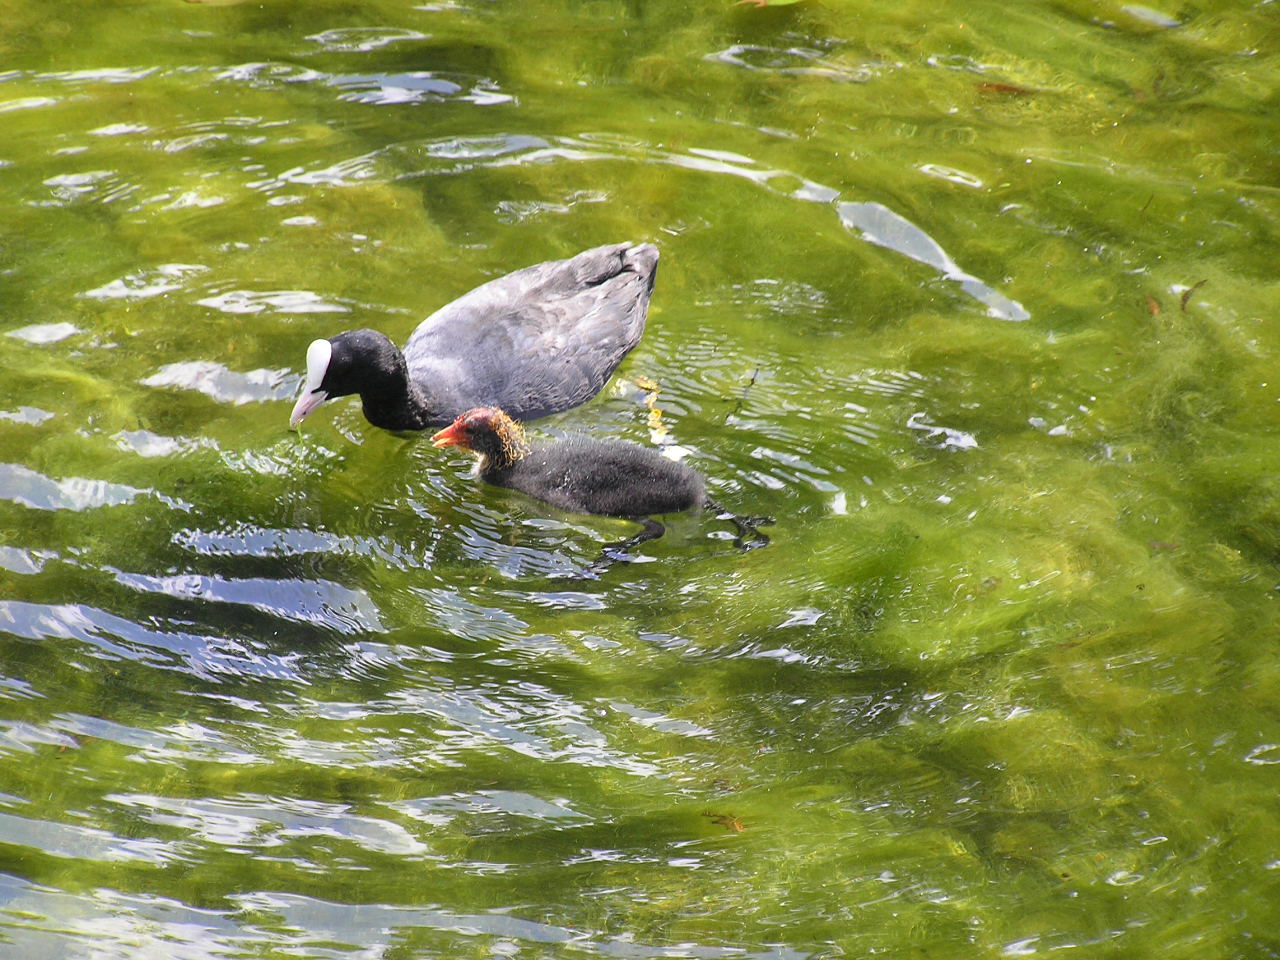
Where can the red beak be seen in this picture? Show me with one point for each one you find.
(450, 436)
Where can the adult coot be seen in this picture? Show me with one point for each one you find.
(535, 342)
(585, 475)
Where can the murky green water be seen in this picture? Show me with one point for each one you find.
(978, 300)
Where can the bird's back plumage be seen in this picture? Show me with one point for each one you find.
(536, 341)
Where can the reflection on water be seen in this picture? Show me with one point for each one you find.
(31, 489)
(417, 87)
(882, 226)
(40, 333)
(792, 61)
(326, 604)
(146, 283)
(226, 386)
(1002, 683)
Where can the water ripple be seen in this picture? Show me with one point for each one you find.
(872, 221)
(24, 737)
(32, 416)
(883, 227)
(320, 602)
(99, 186)
(27, 103)
(264, 822)
(146, 283)
(23, 485)
(147, 444)
(363, 39)
(280, 301)
(100, 75)
(464, 618)
(72, 841)
(330, 921)
(416, 87)
(529, 720)
(42, 333)
(203, 656)
(214, 380)
(17, 560)
(491, 811)
(945, 437)
(249, 541)
(794, 61)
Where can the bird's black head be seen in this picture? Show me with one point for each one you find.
(360, 361)
(357, 361)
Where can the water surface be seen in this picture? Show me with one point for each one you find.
(977, 301)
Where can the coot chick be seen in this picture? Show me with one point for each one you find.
(534, 342)
(584, 475)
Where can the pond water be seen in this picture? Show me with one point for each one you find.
(976, 300)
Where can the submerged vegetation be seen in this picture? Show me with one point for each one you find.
(978, 304)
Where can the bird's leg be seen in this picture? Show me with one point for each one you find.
(617, 552)
(651, 529)
(749, 536)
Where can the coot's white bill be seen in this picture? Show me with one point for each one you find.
(318, 356)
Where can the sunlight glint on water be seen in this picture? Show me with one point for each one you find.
(1002, 684)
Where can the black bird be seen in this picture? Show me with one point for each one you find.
(535, 342)
(586, 475)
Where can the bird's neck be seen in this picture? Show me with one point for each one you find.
(397, 403)
(505, 448)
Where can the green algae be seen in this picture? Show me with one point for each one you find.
(1003, 682)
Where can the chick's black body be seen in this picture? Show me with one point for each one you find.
(584, 475)
(610, 477)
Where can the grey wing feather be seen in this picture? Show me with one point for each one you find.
(539, 340)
